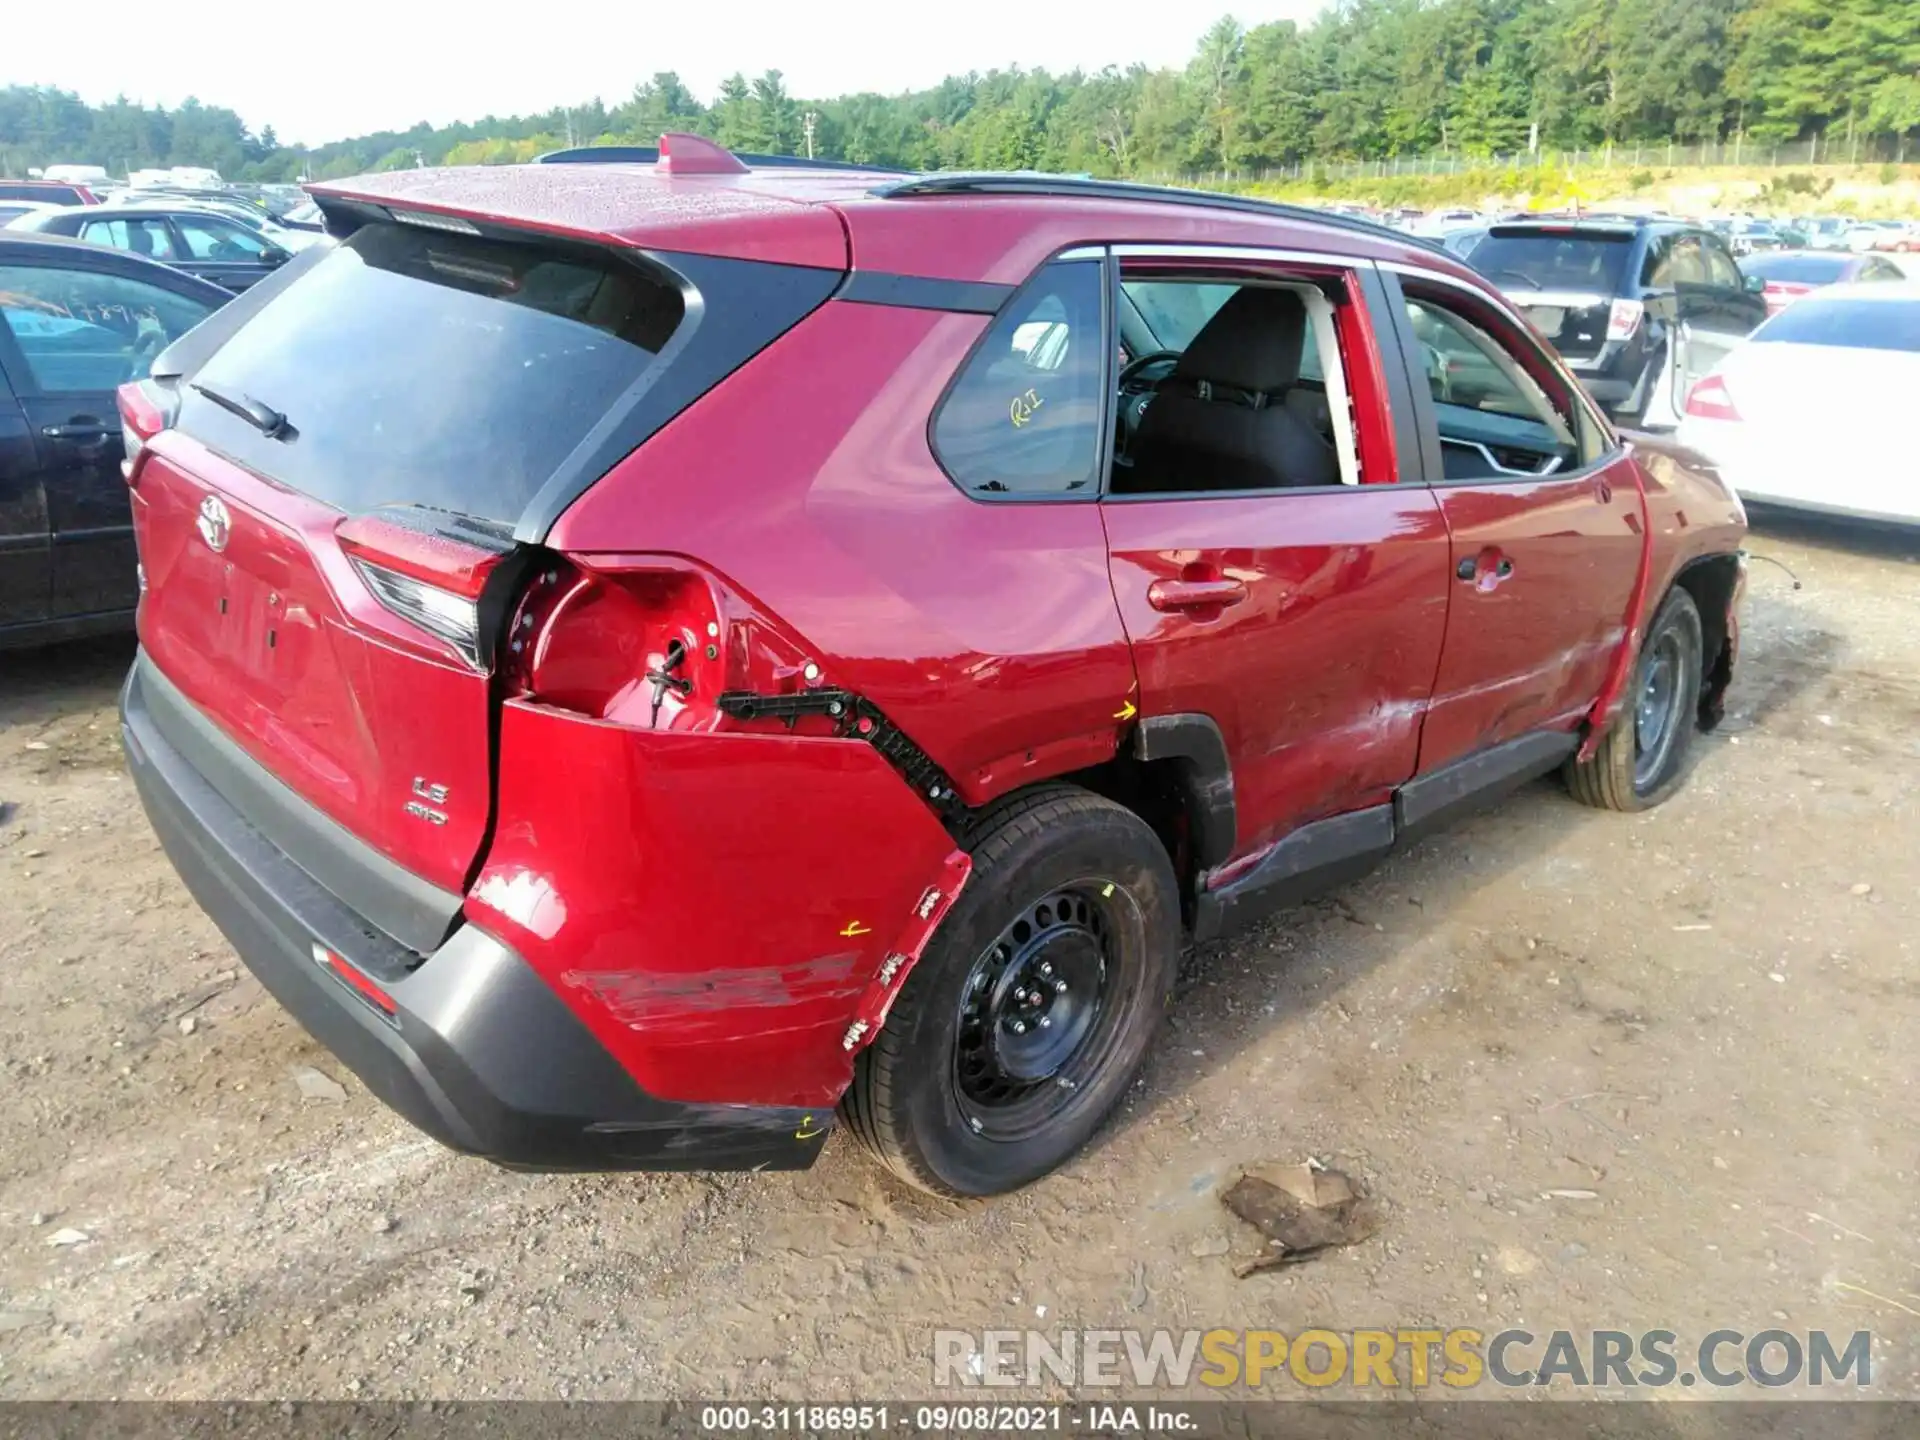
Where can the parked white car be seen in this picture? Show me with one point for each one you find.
(1815, 411)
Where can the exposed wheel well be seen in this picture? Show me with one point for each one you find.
(1159, 792)
(1712, 581)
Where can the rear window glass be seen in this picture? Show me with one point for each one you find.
(1851, 324)
(1552, 260)
(1797, 269)
(425, 368)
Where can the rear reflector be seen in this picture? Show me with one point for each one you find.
(1709, 400)
(1624, 318)
(344, 971)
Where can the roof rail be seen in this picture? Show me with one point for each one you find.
(650, 155)
(1028, 183)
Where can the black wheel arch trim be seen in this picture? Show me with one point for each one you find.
(1199, 752)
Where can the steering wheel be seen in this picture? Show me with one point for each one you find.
(1130, 373)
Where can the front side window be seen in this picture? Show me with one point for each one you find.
(1721, 270)
(1494, 418)
(1023, 418)
(81, 331)
(208, 238)
(138, 236)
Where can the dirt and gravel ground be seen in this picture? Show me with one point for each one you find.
(1703, 1018)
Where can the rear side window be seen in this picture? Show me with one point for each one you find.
(441, 370)
(1798, 269)
(1552, 259)
(1023, 416)
(1849, 324)
(138, 236)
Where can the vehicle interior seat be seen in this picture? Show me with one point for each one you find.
(1224, 420)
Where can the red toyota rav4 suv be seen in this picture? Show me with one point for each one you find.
(642, 659)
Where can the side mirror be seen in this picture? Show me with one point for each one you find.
(1753, 285)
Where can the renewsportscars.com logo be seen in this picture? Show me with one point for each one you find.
(1457, 1359)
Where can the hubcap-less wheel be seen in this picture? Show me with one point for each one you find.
(1658, 710)
(1034, 1012)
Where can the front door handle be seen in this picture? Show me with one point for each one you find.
(1485, 570)
(1195, 594)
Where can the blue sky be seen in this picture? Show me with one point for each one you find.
(322, 70)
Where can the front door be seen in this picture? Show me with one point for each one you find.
(79, 333)
(1545, 522)
(1716, 312)
(1304, 619)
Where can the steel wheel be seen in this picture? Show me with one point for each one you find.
(1658, 708)
(1035, 1019)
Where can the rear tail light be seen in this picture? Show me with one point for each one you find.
(145, 410)
(651, 642)
(426, 575)
(1624, 318)
(1709, 400)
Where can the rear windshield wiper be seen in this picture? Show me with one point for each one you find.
(268, 421)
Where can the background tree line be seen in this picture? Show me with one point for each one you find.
(1367, 79)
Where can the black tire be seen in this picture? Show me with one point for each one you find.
(1633, 769)
(1097, 893)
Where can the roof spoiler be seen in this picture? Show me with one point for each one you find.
(708, 158)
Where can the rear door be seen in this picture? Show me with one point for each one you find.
(24, 568)
(1305, 621)
(1715, 311)
(1545, 518)
(79, 333)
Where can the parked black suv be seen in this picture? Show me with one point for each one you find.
(1640, 308)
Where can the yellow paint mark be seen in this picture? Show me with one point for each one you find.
(1107, 894)
(854, 927)
(807, 1130)
(1020, 411)
(1127, 710)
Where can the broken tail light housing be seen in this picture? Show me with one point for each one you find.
(1710, 400)
(145, 410)
(647, 641)
(430, 569)
(1623, 318)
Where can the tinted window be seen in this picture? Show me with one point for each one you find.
(1552, 259)
(51, 194)
(1798, 269)
(210, 238)
(140, 237)
(1851, 324)
(438, 370)
(1024, 416)
(82, 331)
(1721, 270)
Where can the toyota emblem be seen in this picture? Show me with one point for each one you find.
(215, 523)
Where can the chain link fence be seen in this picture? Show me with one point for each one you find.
(1858, 149)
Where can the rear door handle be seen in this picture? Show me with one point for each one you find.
(76, 430)
(1486, 570)
(1195, 594)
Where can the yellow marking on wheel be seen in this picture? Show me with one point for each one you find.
(1107, 894)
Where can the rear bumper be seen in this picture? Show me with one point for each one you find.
(480, 1053)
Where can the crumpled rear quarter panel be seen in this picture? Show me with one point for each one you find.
(717, 908)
